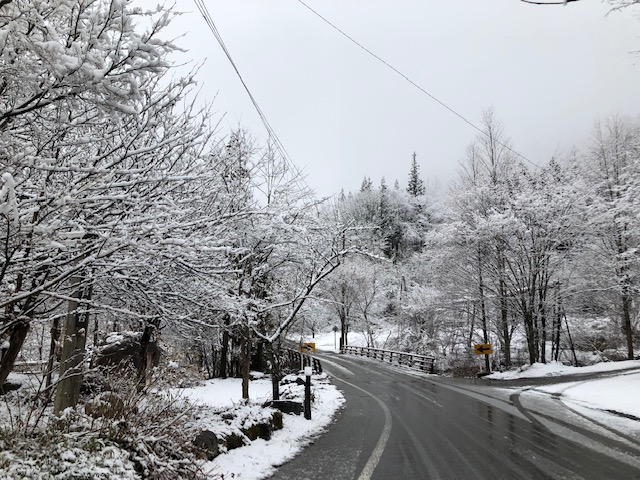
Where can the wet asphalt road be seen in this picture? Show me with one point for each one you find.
(400, 426)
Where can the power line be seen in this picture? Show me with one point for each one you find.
(271, 132)
(398, 72)
(211, 24)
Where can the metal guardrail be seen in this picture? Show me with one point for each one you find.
(413, 360)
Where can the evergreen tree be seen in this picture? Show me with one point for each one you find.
(367, 184)
(416, 185)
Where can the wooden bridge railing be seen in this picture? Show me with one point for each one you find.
(413, 360)
(297, 360)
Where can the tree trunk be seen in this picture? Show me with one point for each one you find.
(571, 345)
(145, 370)
(483, 315)
(204, 360)
(16, 340)
(224, 352)
(53, 347)
(148, 377)
(558, 330)
(504, 323)
(627, 327)
(214, 361)
(276, 371)
(343, 330)
(95, 331)
(529, 328)
(543, 337)
(245, 349)
(542, 314)
(258, 357)
(472, 325)
(557, 324)
(543, 290)
(368, 330)
(504, 310)
(73, 348)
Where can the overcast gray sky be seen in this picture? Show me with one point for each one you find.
(549, 72)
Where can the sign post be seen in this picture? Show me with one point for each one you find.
(335, 330)
(485, 349)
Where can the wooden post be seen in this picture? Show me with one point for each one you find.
(307, 393)
(53, 349)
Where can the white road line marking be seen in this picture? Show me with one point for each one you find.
(372, 463)
(338, 366)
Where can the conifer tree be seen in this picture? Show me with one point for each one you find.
(416, 185)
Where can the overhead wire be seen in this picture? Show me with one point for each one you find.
(204, 11)
(416, 85)
(271, 132)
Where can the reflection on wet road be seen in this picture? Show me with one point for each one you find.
(409, 427)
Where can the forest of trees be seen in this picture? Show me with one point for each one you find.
(122, 210)
(506, 254)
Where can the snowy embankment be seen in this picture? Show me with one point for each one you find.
(155, 432)
(259, 459)
(617, 391)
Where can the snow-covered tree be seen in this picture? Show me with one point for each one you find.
(94, 140)
(611, 171)
(480, 199)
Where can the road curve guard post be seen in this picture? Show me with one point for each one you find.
(307, 392)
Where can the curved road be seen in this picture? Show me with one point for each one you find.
(401, 426)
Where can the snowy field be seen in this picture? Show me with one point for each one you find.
(259, 459)
(619, 391)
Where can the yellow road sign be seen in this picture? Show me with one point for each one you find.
(482, 348)
(307, 347)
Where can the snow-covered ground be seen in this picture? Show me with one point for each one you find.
(259, 459)
(620, 394)
(215, 405)
(554, 369)
(618, 391)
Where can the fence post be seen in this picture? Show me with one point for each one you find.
(307, 393)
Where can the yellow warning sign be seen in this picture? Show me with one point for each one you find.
(483, 348)
(308, 347)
